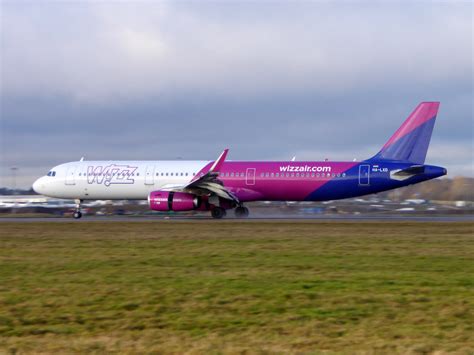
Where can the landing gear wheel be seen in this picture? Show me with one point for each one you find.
(218, 212)
(77, 215)
(241, 212)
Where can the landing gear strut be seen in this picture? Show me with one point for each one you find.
(241, 212)
(77, 212)
(218, 212)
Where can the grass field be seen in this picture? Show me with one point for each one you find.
(228, 287)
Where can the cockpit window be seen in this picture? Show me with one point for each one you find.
(51, 173)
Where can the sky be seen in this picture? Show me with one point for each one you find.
(149, 80)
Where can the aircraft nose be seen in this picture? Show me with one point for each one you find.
(38, 186)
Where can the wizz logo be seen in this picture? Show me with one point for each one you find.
(111, 174)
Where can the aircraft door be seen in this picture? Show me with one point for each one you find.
(250, 177)
(71, 175)
(364, 175)
(150, 175)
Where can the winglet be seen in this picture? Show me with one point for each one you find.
(215, 168)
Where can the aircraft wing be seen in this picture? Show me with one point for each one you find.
(208, 183)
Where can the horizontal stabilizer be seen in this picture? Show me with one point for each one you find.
(404, 174)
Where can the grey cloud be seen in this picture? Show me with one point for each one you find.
(120, 50)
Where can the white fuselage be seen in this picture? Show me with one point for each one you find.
(109, 180)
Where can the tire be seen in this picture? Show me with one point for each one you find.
(241, 212)
(218, 212)
(77, 215)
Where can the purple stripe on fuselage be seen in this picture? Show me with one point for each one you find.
(292, 181)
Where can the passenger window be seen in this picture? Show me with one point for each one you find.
(171, 174)
(262, 174)
(232, 174)
(297, 174)
(277, 174)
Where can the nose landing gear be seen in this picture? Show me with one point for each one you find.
(77, 213)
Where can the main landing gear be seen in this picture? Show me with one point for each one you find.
(218, 212)
(240, 212)
(77, 212)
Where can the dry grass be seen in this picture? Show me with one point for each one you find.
(231, 287)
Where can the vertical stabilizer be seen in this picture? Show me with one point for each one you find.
(410, 142)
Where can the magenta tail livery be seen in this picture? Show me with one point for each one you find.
(221, 185)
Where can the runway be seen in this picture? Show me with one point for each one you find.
(260, 218)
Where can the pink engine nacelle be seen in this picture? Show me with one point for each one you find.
(172, 201)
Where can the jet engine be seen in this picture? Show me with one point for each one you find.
(172, 201)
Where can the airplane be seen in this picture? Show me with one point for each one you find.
(221, 185)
